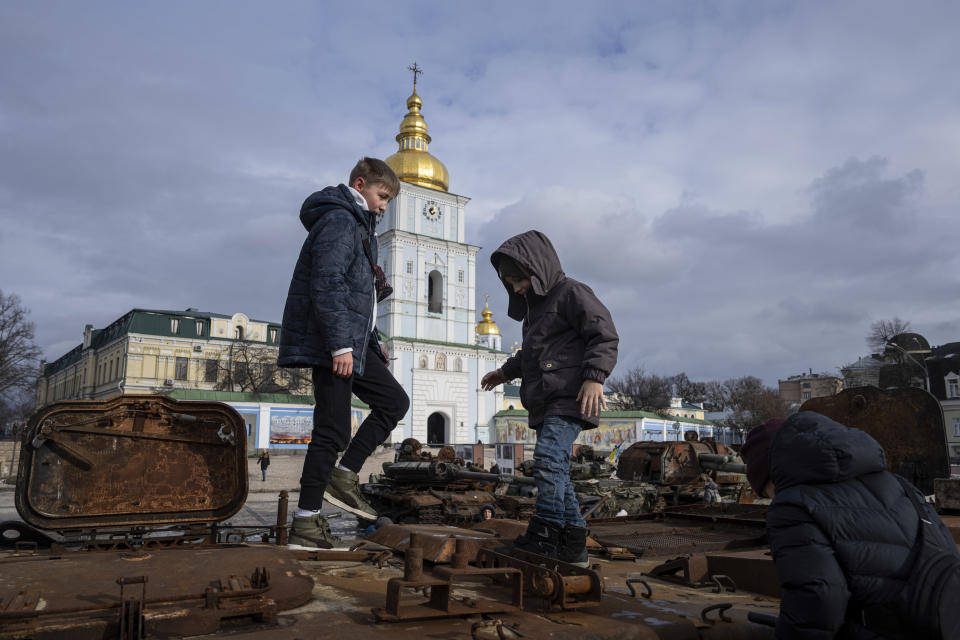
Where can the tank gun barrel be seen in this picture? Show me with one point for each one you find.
(457, 472)
(444, 471)
(720, 462)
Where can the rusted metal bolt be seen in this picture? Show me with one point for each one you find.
(413, 564)
(461, 556)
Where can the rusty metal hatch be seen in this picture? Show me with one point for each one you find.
(908, 424)
(136, 486)
(132, 461)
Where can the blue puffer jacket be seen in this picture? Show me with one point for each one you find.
(841, 528)
(330, 300)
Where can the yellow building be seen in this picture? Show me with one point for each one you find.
(680, 409)
(150, 351)
(192, 355)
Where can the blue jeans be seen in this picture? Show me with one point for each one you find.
(556, 501)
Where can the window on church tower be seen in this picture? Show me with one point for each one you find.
(409, 266)
(435, 292)
(460, 275)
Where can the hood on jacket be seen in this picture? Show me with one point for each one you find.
(534, 252)
(810, 448)
(339, 197)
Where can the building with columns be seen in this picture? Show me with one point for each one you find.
(440, 353)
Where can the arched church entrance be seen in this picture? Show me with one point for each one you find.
(436, 428)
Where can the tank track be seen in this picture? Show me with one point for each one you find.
(430, 515)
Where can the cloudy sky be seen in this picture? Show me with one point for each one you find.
(747, 185)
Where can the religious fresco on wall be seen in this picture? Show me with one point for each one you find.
(611, 434)
(292, 428)
(608, 436)
(513, 430)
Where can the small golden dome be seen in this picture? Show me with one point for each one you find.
(487, 327)
(412, 163)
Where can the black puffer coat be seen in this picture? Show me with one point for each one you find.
(841, 527)
(568, 335)
(330, 300)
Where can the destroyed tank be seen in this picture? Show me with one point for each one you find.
(431, 491)
(600, 494)
(678, 469)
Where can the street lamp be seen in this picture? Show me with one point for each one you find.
(922, 365)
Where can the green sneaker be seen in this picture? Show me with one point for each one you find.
(314, 533)
(343, 491)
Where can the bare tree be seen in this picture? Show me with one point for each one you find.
(19, 360)
(882, 331)
(752, 402)
(252, 367)
(716, 396)
(684, 387)
(641, 390)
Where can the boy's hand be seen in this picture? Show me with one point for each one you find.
(343, 365)
(383, 350)
(591, 398)
(492, 379)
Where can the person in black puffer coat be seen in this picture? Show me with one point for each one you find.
(842, 529)
(329, 325)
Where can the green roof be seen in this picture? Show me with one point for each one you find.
(148, 321)
(517, 413)
(245, 396)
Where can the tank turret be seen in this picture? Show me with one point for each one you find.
(425, 490)
(678, 468)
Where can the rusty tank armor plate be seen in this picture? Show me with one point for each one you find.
(132, 461)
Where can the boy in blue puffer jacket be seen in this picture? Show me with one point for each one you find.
(329, 325)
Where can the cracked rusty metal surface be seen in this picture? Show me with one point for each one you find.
(185, 591)
(344, 598)
(133, 460)
(438, 540)
(657, 538)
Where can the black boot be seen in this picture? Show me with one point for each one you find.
(541, 538)
(573, 547)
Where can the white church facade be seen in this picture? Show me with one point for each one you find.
(439, 352)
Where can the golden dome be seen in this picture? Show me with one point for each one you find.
(412, 163)
(487, 327)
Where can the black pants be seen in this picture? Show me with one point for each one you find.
(331, 423)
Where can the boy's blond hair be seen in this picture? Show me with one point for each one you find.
(376, 171)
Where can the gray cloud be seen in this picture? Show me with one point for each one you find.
(747, 188)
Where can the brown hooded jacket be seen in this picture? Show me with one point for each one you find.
(568, 335)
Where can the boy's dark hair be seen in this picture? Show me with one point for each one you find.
(374, 170)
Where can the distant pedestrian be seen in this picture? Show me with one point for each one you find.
(264, 462)
(495, 468)
(859, 553)
(569, 350)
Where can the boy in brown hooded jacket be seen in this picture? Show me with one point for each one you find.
(569, 349)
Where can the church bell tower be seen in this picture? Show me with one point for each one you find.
(430, 320)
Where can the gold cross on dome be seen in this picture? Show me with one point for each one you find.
(417, 71)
